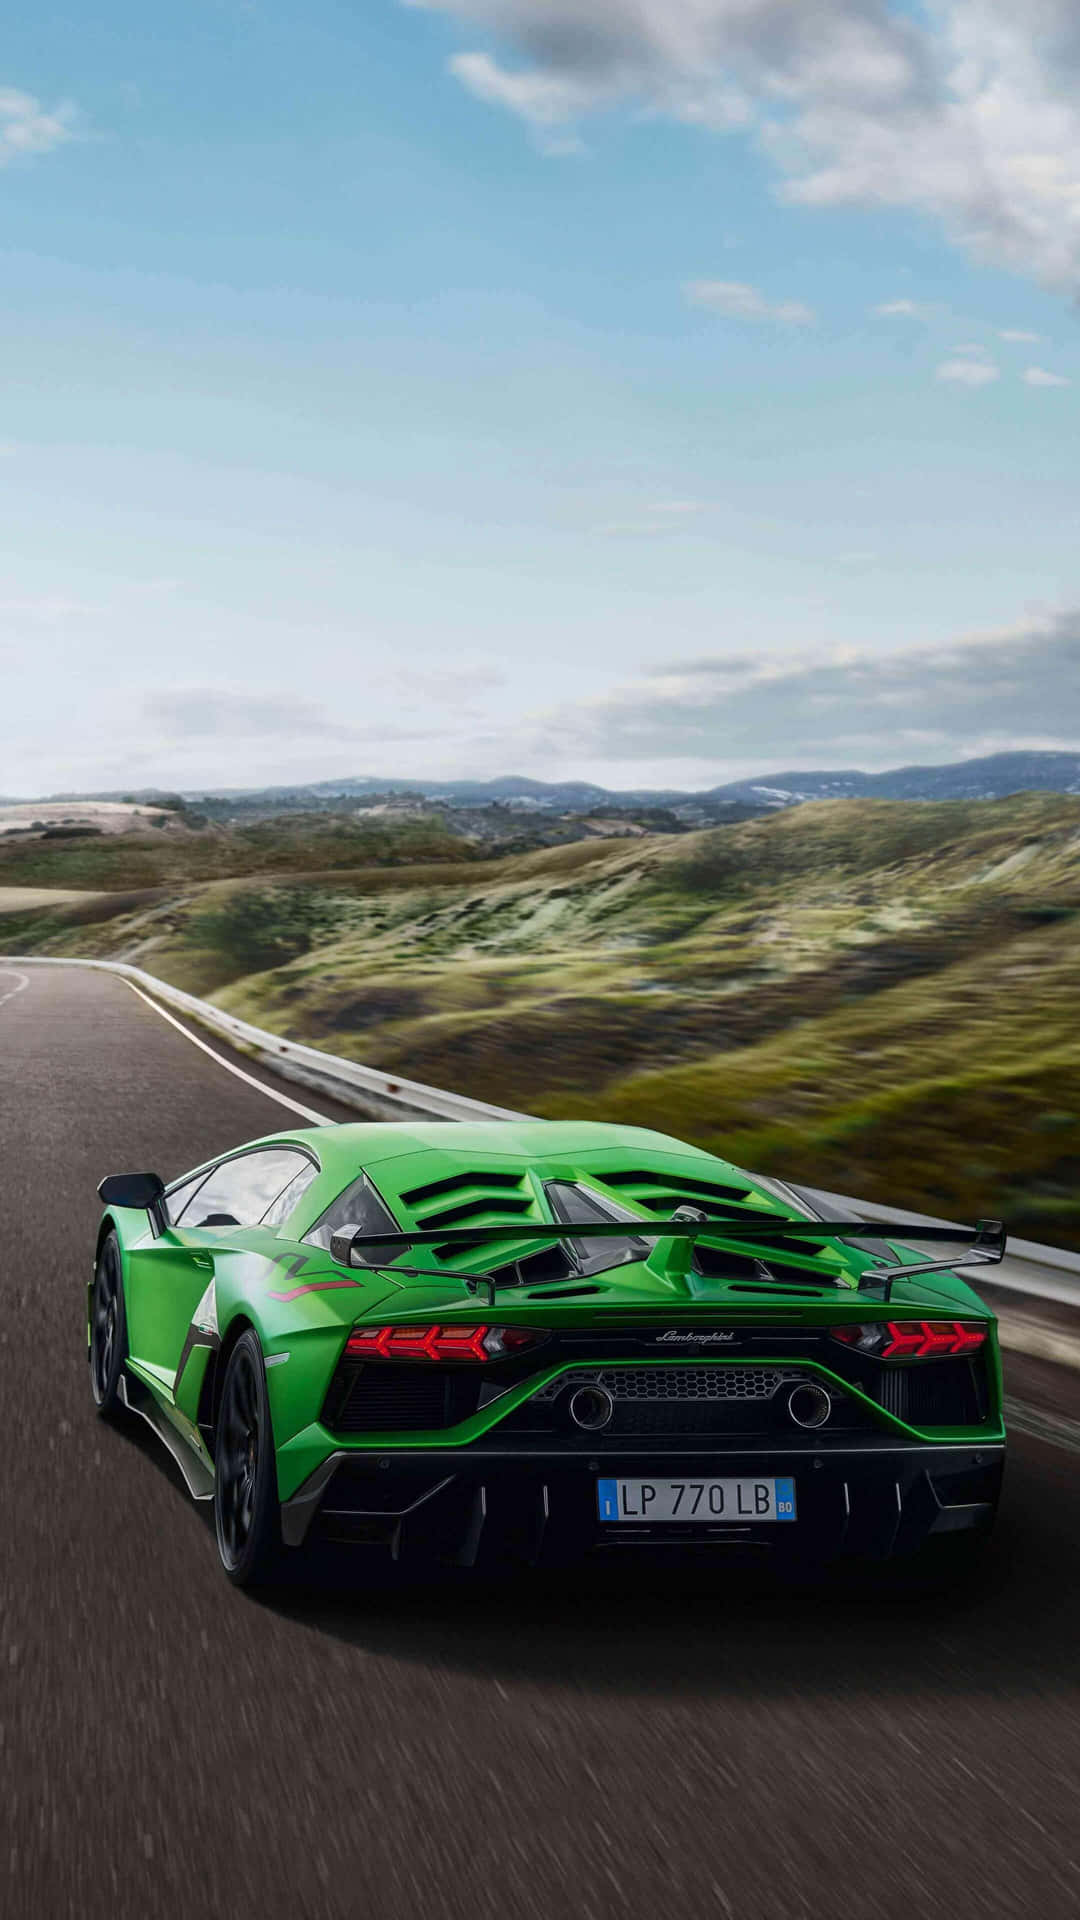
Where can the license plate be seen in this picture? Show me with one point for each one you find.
(645, 1502)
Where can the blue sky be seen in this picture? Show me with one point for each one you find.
(503, 385)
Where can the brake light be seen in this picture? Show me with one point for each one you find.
(913, 1339)
(474, 1343)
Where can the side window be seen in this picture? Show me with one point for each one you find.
(359, 1206)
(245, 1187)
(179, 1197)
(280, 1209)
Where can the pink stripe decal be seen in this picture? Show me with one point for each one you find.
(312, 1286)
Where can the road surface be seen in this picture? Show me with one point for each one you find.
(582, 1748)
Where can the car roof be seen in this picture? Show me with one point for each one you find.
(370, 1143)
(456, 1172)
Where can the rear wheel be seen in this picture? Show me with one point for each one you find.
(246, 1512)
(108, 1327)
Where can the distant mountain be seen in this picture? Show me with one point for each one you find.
(561, 796)
(987, 779)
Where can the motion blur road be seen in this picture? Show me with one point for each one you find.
(587, 1747)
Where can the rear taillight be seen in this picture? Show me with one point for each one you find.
(913, 1339)
(440, 1342)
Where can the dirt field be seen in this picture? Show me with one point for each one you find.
(108, 816)
(31, 899)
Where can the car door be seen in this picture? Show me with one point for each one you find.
(168, 1276)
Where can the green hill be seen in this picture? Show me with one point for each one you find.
(875, 996)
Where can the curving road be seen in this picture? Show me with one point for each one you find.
(589, 1748)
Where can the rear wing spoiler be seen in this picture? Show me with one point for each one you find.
(675, 1240)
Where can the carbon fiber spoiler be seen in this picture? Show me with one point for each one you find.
(986, 1242)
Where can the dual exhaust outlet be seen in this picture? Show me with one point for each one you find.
(592, 1407)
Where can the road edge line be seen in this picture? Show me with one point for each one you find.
(282, 1099)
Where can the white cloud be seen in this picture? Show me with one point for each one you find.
(1039, 377)
(968, 373)
(206, 712)
(198, 712)
(545, 100)
(737, 301)
(1019, 335)
(26, 127)
(677, 506)
(899, 309)
(964, 110)
(1018, 686)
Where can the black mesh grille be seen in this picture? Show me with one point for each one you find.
(940, 1393)
(697, 1416)
(681, 1399)
(681, 1383)
(383, 1398)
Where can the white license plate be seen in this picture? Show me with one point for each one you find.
(644, 1502)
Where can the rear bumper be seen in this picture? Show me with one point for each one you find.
(480, 1505)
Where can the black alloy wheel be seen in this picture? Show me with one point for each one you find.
(108, 1328)
(246, 1513)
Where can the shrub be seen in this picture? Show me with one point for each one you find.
(257, 931)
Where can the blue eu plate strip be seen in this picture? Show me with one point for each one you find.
(607, 1494)
(785, 1499)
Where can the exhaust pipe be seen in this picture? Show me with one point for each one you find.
(809, 1405)
(591, 1408)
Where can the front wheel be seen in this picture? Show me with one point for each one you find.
(246, 1513)
(108, 1328)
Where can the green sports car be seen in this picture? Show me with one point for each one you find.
(459, 1343)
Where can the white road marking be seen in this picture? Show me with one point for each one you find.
(282, 1099)
(22, 978)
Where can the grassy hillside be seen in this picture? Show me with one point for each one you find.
(876, 996)
(155, 859)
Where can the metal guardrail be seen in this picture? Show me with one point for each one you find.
(1045, 1273)
(381, 1096)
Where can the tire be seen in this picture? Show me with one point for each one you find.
(247, 1516)
(108, 1328)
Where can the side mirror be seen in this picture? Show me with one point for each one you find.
(345, 1242)
(341, 1244)
(131, 1190)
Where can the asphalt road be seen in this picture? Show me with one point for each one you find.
(589, 1747)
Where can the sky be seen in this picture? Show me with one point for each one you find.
(648, 391)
